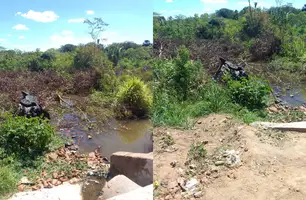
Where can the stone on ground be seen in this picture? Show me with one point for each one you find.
(118, 185)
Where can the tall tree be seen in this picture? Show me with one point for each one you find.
(96, 27)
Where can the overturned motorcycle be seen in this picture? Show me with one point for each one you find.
(29, 107)
(236, 71)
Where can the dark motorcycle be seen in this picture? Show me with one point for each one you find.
(29, 107)
(236, 71)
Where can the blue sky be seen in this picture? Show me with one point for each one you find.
(31, 24)
(190, 7)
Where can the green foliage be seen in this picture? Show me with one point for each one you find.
(197, 152)
(134, 97)
(252, 93)
(19, 135)
(181, 76)
(8, 181)
(227, 13)
(89, 57)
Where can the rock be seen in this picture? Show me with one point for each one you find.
(205, 142)
(273, 109)
(52, 156)
(173, 163)
(55, 175)
(191, 184)
(25, 181)
(192, 166)
(232, 158)
(74, 180)
(118, 185)
(63, 179)
(220, 162)
(92, 155)
(181, 171)
(21, 188)
(54, 181)
(197, 194)
(168, 197)
(181, 182)
(204, 181)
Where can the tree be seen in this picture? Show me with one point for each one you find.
(97, 26)
(146, 43)
(226, 13)
(67, 48)
(304, 8)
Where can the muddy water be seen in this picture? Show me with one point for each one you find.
(291, 93)
(133, 136)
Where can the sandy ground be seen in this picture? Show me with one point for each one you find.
(273, 164)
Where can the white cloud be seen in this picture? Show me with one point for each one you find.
(90, 12)
(207, 9)
(21, 37)
(2, 39)
(20, 27)
(9, 35)
(169, 1)
(46, 16)
(214, 1)
(163, 11)
(175, 11)
(80, 20)
(66, 32)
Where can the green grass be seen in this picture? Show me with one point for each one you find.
(213, 99)
(8, 182)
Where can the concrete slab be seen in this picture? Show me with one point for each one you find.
(118, 185)
(136, 166)
(145, 193)
(293, 126)
(63, 192)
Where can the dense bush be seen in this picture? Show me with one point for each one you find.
(19, 135)
(252, 93)
(89, 57)
(134, 97)
(181, 76)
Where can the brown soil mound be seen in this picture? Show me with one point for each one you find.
(272, 163)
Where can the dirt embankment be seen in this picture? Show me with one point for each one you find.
(268, 164)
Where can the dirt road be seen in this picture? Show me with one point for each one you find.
(272, 164)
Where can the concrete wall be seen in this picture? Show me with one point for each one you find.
(136, 166)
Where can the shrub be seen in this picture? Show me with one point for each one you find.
(8, 181)
(135, 97)
(264, 47)
(90, 56)
(250, 93)
(184, 76)
(20, 135)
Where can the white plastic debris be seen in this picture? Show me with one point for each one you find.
(191, 185)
